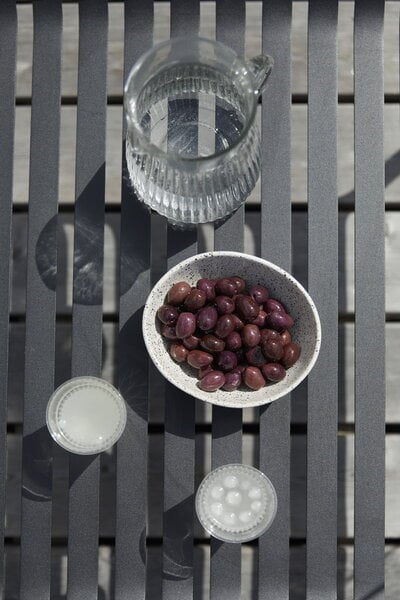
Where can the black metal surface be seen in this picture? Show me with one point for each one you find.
(36, 507)
(369, 508)
(8, 48)
(323, 286)
(179, 439)
(131, 498)
(83, 521)
(225, 575)
(274, 455)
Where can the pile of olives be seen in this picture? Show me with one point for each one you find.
(232, 336)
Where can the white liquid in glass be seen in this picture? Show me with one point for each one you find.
(236, 503)
(86, 415)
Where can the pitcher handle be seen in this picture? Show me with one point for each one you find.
(261, 67)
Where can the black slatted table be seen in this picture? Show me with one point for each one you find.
(172, 557)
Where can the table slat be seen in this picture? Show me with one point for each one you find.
(131, 499)
(225, 566)
(369, 506)
(179, 440)
(36, 505)
(87, 286)
(323, 286)
(8, 50)
(274, 457)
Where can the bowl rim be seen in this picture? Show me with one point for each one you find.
(212, 398)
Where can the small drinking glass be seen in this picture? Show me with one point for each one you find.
(236, 503)
(86, 415)
(192, 145)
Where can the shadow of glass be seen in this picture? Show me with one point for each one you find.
(37, 466)
(178, 541)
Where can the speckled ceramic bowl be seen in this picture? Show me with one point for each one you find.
(281, 285)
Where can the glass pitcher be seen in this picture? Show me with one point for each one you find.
(192, 145)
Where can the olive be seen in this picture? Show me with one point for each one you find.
(251, 335)
(211, 343)
(259, 293)
(233, 379)
(238, 323)
(224, 326)
(233, 341)
(185, 325)
(238, 283)
(198, 359)
(178, 293)
(279, 320)
(273, 349)
(195, 299)
(226, 360)
(191, 342)
(225, 287)
(247, 308)
(225, 305)
(208, 286)
(269, 334)
(255, 357)
(167, 314)
(260, 320)
(212, 381)
(291, 353)
(207, 318)
(286, 337)
(178, 352)
(253, 378)
(273, 372)
(169, 332)
(272, 304)
(204, 370)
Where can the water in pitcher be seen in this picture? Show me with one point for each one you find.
(195, 114)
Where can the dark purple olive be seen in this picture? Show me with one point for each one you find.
(233, 379)
(191, 342)
(204, 370)
(225, 305)
(286, 337)
(198, 358)
(260, 320)
(208, 286)
(233, 341)
(247, 308)
(226, 360)
(178, 293)
(279, 320)
(238, 283)
(255, 357)
(207, 318)
(168, 314)
(253, 378)
(273, 372)
(259, 293)
(224, 326)
(238, 323)
(272, 304)
(225, 287)
(178, 352)
(169, 332)
(250, 335)
(195, 299)
(185, 325)
(291, 353)
(273, 349)
(212, 381)
(211, 343)
(269, 334)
